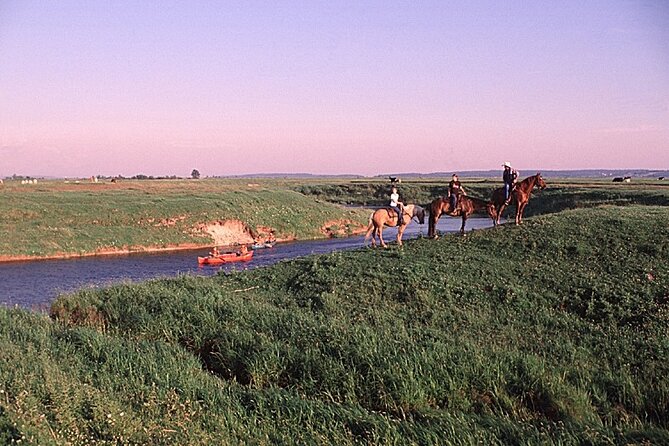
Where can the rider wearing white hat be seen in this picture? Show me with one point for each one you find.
(509, 177)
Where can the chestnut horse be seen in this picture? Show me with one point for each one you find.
(388, 217)
(520, 196)
(466, 206)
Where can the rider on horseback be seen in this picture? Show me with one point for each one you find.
(397, 205)
(510, 176)
(455, 189)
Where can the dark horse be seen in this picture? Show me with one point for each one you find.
(386, 216)
(466, 207)
(520, 196)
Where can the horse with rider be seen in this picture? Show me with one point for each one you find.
(455, 204)
(396, 214)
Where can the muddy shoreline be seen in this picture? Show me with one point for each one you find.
(138, 250)
(223, 233)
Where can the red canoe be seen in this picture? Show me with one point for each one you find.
(225, 258)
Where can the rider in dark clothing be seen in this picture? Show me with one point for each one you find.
(510, 176)
(455, 189)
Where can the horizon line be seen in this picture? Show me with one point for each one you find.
(467, 172)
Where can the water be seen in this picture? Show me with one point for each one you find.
(35, 284)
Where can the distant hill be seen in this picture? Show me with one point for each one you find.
(289, 175)
(577, 173)
(582, 173)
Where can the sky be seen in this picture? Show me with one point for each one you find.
(331, 87)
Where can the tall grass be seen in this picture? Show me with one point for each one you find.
(555, 332)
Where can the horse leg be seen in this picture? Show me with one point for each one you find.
(383, 243)
(464, 220)
(400, 232)
(521, 210)
(430, 224)
(501, 211)
(370, 230)
(434, 219)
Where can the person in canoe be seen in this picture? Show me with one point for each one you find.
(243, 250)
(214, 252)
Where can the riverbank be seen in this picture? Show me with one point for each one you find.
(54, 220)
(548, 333)
(47, 280)
(57, 220)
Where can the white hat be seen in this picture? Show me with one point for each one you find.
(506, 164)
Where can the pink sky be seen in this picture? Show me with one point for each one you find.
(333, 87)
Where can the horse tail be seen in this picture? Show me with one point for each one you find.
(370, 227)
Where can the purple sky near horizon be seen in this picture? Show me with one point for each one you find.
(327, 87)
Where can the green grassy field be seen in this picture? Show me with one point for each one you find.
(54, 218)
(57, 218)
(561, 194)
(555, 332)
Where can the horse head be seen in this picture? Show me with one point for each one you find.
(491, 210)
(541, 184)
(419, 213)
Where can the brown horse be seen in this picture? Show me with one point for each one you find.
(466, 206)
(519, 196)
(388, 217)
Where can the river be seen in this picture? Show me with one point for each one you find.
(35, 284)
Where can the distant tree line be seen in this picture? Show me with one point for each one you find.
(140, 176)
(19, 177)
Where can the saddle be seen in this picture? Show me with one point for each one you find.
(393, 214)
(453, 212)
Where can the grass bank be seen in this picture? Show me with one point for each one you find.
(58, 219)
(555, 332)
(561, 194)
(55, 219)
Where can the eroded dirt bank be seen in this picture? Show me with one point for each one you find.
(222, 233)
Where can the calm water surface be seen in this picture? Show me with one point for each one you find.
(35, 284)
